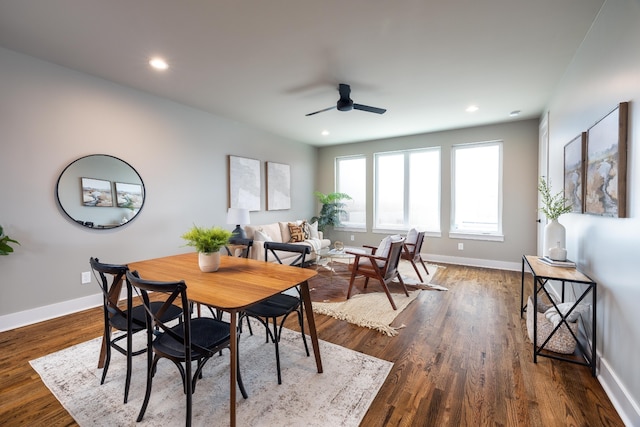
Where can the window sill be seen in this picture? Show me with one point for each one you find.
(476, 236)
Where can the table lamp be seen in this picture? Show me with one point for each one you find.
(238, 216)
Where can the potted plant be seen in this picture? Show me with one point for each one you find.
(332, 208)
(5, 249)
(208, 242)
(553, 205)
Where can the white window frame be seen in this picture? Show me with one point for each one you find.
(470, 233)
(352, 226)
(405, 226)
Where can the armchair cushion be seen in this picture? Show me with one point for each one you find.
(412, 237)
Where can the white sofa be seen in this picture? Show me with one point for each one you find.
(280, 232)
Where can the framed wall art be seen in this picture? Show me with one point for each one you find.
(129, 195)
(606, 168)
(278, 186)
(96, 192)
(244, 183)
(574, 153)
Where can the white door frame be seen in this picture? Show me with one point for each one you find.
(543, 172)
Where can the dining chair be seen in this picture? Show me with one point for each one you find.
(192, 340)
(381, 264)
(280, 305)
(411, 251)
(129, 320)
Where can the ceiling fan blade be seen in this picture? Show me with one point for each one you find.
(369, 109)
(321, 111)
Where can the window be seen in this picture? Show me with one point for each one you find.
(407, 190)
(351, 178)
(477, 189)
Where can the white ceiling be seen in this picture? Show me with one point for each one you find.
(268, 63)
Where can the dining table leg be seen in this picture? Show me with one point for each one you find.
(306, 299)
(233, 366)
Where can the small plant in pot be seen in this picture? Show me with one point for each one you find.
(553, 205)
(5, 249)
(208, 242)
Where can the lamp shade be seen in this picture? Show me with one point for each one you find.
(237, 216)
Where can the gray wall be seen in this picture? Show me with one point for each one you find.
(50, 116)
(606, 71)
(520, 158)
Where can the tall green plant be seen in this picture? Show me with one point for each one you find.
(5, 249)
(552, 205)
(332, 208)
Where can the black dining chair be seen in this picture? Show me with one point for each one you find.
(129, 320)
(193, 340)
(280, 305)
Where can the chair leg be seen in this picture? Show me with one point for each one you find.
(353, 278)
(107, 354)
(127, 381)
(386, 291)
(415, 267)
(423, 264)
(276, 340)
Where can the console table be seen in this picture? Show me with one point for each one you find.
(542, 273)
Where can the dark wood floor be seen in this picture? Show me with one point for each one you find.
(462, 360)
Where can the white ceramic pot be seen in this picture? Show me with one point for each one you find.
(554, 236)
(209, 262)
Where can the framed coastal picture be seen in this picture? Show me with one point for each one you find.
(129, 195)
(96, 192)
(606, 165)
(574, 172)
(278, 186)
(244, 183)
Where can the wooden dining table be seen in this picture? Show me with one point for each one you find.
(238, 283)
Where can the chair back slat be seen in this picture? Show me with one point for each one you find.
(393, 260)
(302, 250)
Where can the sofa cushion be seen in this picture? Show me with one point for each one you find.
(312, 230)
(412, 237)
(261, 236)
(296, 232)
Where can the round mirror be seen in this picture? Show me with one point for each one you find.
(100, 191)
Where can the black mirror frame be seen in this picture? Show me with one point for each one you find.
(91, 224)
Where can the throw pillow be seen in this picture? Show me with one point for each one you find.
(313, 230)
(383, 247)
(261, 236)
(297, 235)
(305, 230)
(412, 236)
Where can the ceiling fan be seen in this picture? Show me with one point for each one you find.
(345, 103)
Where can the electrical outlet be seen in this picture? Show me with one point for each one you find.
(460, 246)
(86, 277)
(353, 238)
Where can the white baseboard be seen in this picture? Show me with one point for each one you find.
(627, 408)
(472, 262)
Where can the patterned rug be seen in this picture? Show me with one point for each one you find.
(304, 397)
(369, 308)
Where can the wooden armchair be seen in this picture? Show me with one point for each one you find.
(382, 268)
(411, 253)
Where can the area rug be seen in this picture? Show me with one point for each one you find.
(338, 397)
(368, 308)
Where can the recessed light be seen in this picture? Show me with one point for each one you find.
(159, 63)
(472, 108)
(325, 132)
(514, 113)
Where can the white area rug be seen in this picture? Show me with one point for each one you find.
(338, 397)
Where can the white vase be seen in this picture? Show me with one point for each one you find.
(554, 236)
(209, 262)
